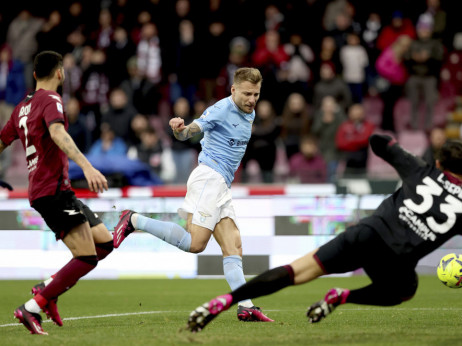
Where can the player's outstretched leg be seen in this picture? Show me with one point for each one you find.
(333, 298)
(123, 228)
(30, 320)
(51, 309)
(205, 313)
(252, 314)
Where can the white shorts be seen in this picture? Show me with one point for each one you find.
(208, 198)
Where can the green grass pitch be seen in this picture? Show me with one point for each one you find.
(154, 312)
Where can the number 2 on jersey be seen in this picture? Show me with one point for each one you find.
(29, 149)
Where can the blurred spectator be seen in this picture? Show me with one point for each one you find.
(354, 59)
(437, 139)
(295, 124)
(88, 56)
(369, 37)
(77, 126)
(184, 80)
(75, 18)
(371, 32)
(148, 53)
(214, 60)
(308, 166)
(352, 139)
(296, 74)
(183, 152)
(331, 85)
(21, 38)
(149, 150)
(333, 8)
(269, 57)
(149, 67)
(120, 115)
(328, 53)
(53, 33)
(139, 123)
(439, 19)
(119, 51)
(326, 121)
(238, 57)
(451, 71)
(12, 91)
(102, 36)
(12, 83)
(343, 26)
(262, 144)
(398, 26)
(144, 17)
(73, 78)
(76, 42)
(424, 60)
(94, 89)
(124, 12)
(274, 18)
(108, 144)
(141, 93)
(390, 66)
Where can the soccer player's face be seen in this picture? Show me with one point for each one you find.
(245, 95)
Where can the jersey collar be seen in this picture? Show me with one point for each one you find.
(453, 179)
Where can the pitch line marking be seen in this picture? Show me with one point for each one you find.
(170, 311)
(96, 316)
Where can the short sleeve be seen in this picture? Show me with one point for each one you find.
(209, 118)
(53, 111)
(9, 133)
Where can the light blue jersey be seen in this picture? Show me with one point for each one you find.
(227, 131)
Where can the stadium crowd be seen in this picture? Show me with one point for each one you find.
(131, 65)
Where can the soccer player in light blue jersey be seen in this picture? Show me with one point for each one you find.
(208, 207)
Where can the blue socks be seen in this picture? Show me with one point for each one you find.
(167, 231)
(232, 267)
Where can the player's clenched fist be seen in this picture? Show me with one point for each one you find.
(177, 124)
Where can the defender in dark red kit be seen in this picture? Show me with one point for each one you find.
(415, 220)
(40, 123)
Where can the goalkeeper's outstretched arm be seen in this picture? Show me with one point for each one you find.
(388, 149)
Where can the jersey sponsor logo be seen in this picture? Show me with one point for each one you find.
(235, 125)
(32, 164)
(59, 106)
(416, 224)
(25, 110)
(72, 211)
(238, 143)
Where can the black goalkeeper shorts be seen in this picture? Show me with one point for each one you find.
(360, 246)
(63, 211)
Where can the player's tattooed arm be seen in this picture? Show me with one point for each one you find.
(65, 142)
(189, 131)
(2, 146)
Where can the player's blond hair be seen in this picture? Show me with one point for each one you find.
(247, 74)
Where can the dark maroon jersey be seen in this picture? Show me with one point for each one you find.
(48, 165)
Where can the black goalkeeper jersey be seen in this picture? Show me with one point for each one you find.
(424, 212)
